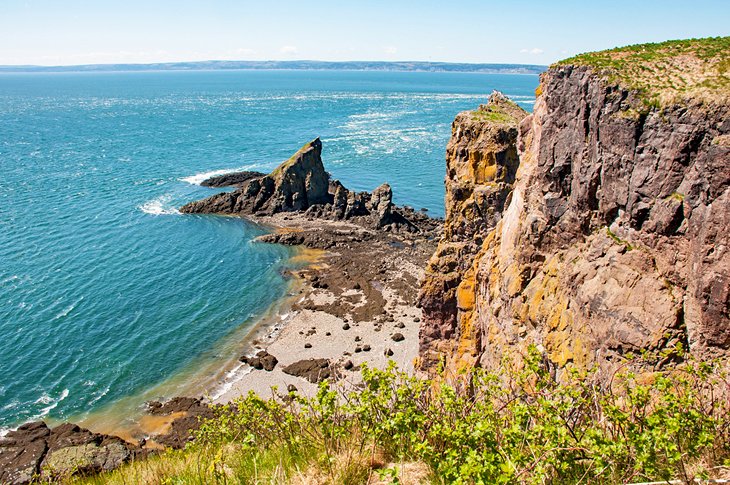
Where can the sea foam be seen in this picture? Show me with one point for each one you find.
(159, 206)
(52, 403)
(198, 178)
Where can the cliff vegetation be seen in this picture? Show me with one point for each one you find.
(667, 71)
(513, 425)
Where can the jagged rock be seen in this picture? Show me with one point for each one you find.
(262, 360)
(86, 458)
(228, 179)
(381, 204)
(613, 240)
(302, 185)
(34, 450)
(181, 430)
(481, 164)
(314, 370)
(294, 185)
(174, 405)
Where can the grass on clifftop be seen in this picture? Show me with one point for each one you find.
(668, 71)
(516, 425)
(499, 109)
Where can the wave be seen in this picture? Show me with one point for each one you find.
(199, 177)
(52, 403)
(232, 376)
(98, 395)
(63, 313)
(159, 206)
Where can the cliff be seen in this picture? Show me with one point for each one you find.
(614, 239)
(481, 163)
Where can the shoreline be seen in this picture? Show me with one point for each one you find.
(128, 417)
(325, 314)
(329, 319)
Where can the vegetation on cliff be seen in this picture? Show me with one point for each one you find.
(513, 425)
(666, 71)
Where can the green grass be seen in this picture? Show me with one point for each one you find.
(663, 73)
(499, 109)
(494, 116)
(513, 425)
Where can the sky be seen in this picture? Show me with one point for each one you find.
(69, 32)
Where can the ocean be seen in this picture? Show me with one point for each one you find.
(107, 294)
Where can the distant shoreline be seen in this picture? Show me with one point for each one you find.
(377, 66)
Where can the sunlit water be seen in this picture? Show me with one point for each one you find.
(106, 291)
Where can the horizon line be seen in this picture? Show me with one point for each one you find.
(272, 63)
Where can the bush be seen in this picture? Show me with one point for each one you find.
(514, 425)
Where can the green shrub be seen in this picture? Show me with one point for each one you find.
(514, 425)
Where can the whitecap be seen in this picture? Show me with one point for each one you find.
(199, 177)
(159, 206)
(99, 395)
(52, 403)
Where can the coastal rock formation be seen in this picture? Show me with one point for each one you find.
(262, 360)
(615, 237)
(301, 184)
(193, 411)
(313, 370)
(229, 179)
(34, 451)
(481, 163)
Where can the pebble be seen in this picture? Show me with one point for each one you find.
(397, 337)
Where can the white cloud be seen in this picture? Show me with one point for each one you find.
(289, 49)
(534, 50)
(390, 50)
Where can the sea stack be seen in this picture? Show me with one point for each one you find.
(302, 185)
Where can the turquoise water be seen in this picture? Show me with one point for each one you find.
(105, 290)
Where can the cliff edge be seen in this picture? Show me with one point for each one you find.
(614, 238)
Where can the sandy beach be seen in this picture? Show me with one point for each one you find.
(354, 302)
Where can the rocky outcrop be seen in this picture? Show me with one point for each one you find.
(614, 239)
(262, 360)
(229, 179)
(191, 411)
(481, 163)
(302, 185)
(313, 370)
(34, 452)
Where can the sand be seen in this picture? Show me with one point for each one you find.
(351, 297)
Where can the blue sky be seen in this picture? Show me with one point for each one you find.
(48, 32)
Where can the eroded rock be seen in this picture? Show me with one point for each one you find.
(34, 451)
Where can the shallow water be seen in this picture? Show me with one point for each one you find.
(105, 290)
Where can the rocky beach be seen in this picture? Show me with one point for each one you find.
(579, 236)
(355, 302)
